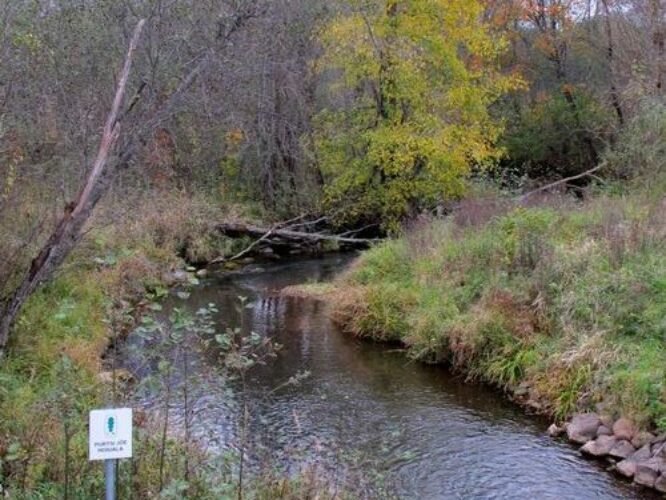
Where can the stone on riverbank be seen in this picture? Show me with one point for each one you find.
(624, 428)
(660, 483)
(626, 468)
(606, 421)
(583, 427)
(647, 472)
(643, 453)
(555, 431)
(600, 446)
(641, 439)
(640, 454)
(604, 431)
(659, 449)
(180, 276)
(622, 449)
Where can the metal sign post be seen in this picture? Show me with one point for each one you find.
(110, 438)
(110, 479)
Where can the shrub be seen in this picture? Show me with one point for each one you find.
(558, 136)
(640, 151)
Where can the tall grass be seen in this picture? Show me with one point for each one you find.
(49, 377)
(566, 301)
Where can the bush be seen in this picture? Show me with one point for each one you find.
(558, 136)
(640, 151)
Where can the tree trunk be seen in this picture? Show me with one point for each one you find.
(610, 59)
(659, 44)
(68, 230)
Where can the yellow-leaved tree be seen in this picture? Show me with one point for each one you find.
(411, 83)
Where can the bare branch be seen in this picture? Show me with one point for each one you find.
(587, 173)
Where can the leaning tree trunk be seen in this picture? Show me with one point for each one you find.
(69, 228)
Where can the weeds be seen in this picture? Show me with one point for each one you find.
(567, 302)
(51, 375)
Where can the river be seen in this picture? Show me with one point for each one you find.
(366, 413)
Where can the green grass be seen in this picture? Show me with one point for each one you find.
(49, 379)
(570, 302)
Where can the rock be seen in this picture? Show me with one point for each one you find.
(661, 438)
(627, 468)
(659, 450)
(645, 477)
(554, 430)
(606, 421)
(599, 447)
(624, 428)
(181, 276)
(267, 251)
(660, 483)
(641, 439)
(583, 427)
(604, 431)
(647, 472)
(656, 464)
(202, 273)
(643, 453)
(622, 449)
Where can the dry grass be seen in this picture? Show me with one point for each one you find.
(568, 301)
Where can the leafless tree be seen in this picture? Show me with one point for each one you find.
(50, 80)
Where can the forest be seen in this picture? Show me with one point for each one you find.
(491, 172)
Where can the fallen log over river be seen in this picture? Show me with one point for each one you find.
(284, 237)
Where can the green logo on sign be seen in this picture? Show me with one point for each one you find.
(110, 429)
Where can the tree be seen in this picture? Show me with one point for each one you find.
(271, 88)
(411, 84)
(74, 41)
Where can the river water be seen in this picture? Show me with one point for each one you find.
(367, 414)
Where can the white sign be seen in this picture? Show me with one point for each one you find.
(110, 434)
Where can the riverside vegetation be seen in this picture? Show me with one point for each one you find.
(561, 303)
(370, 118)
(558, 302)
(64, 366)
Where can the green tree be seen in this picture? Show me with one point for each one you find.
(410, 87)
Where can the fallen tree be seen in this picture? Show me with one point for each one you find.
(285, 235)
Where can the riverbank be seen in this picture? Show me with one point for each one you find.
(55, 369)
(58, 365)
(561, 305)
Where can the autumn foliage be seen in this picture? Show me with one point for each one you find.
(408, 117)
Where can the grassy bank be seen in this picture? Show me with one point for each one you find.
(562, 304)
(49, 379)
